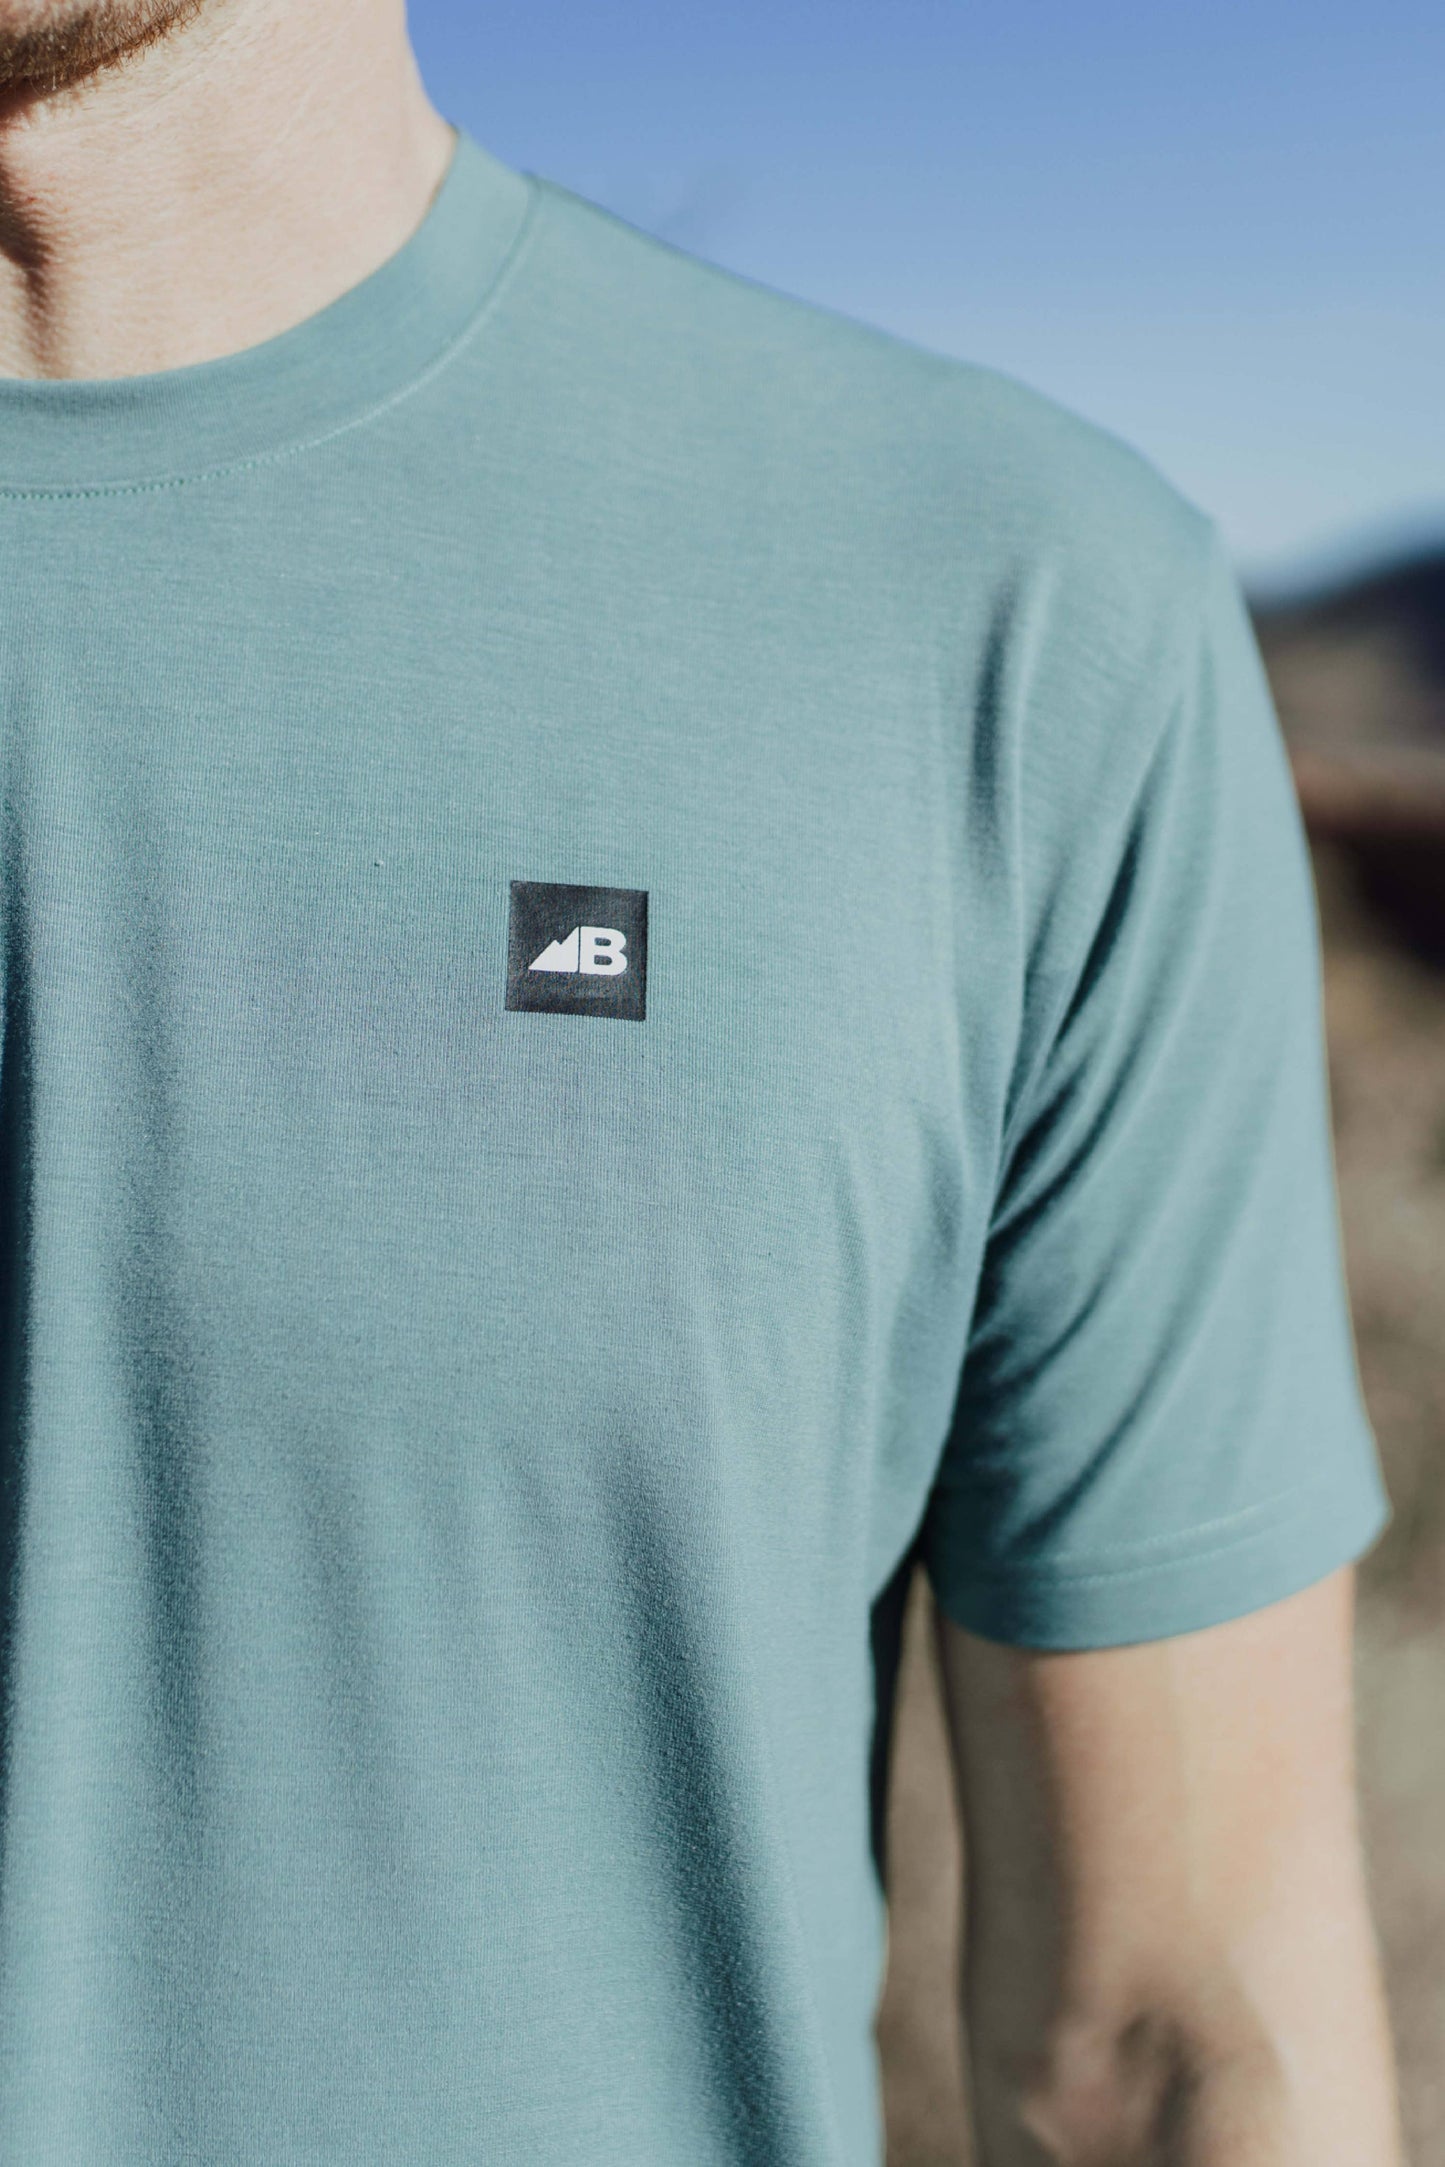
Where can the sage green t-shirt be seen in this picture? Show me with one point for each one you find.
(657, 957)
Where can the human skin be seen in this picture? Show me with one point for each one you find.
(180, 179)
(1170, 1957)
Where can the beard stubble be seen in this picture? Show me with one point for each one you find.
(51, 49)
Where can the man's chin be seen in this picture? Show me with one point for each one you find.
(49, 45)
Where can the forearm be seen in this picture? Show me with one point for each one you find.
(1158, 2093)
(1136, 2110)
(1169, 1958)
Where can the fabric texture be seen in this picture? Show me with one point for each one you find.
(459, 1459)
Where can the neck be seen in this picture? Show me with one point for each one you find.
(221, 186)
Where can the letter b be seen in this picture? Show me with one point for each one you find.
(603, 951)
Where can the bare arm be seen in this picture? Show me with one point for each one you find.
(1170, 1960)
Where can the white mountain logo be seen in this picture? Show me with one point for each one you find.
(598, 950)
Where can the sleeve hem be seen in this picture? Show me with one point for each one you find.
(1312, 1533)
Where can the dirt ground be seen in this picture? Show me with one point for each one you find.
(1385, 1017)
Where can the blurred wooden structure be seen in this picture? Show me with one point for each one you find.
(1389, 814)
(1358, 674)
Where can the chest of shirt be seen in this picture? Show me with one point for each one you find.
(261, 882)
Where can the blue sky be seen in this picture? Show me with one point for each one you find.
(1215, 229)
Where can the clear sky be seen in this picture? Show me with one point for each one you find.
(1218, 229)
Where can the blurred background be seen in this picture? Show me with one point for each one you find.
(1217, 232)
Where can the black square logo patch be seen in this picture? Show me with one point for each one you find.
(575, 951)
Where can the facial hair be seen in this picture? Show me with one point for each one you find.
(57, 45)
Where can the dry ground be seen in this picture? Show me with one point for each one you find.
(1386, 1032)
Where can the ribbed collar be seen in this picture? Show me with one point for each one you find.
(306, 383)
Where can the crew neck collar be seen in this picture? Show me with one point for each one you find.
(59, 436)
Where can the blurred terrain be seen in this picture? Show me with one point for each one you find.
(1358, 674)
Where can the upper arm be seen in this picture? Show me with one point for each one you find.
(1159, 1424)
(1162, 1835)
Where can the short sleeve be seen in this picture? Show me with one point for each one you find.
(1159, 1423)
